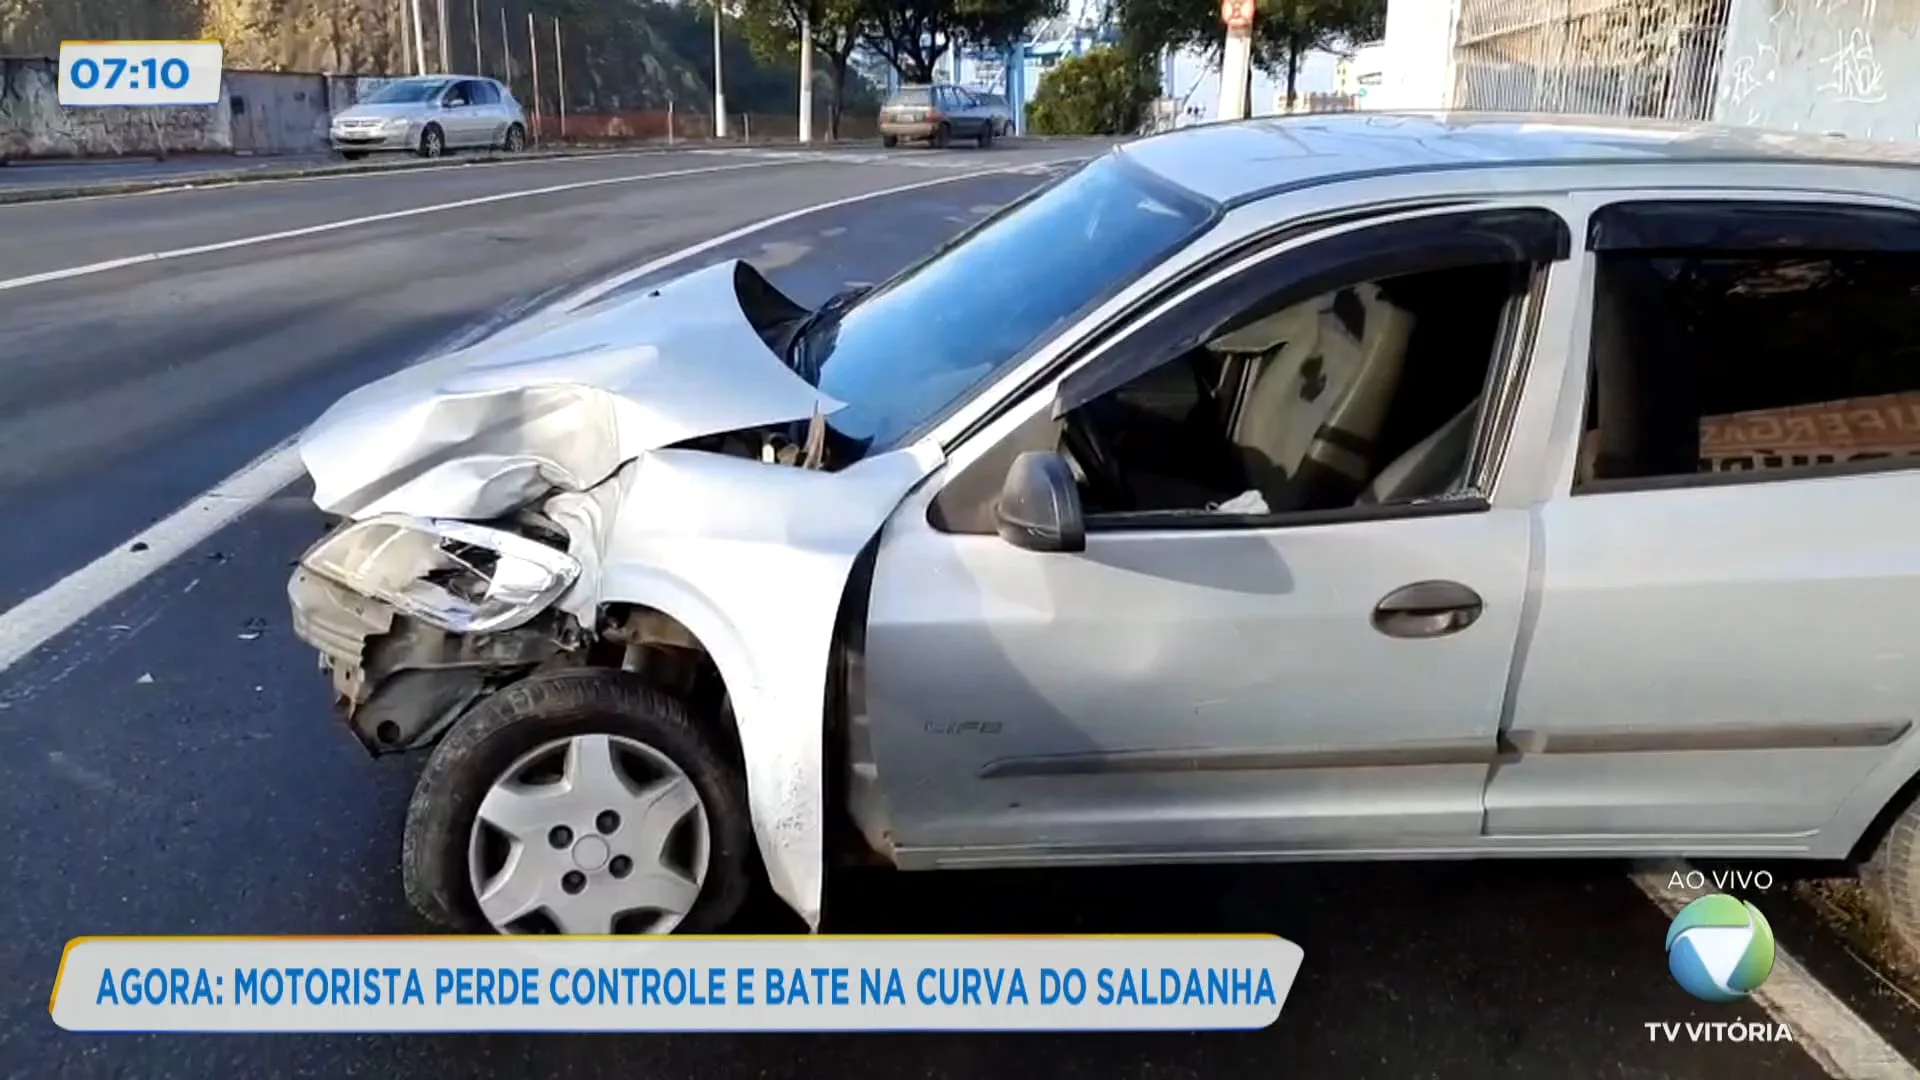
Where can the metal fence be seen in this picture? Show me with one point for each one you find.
(1654, 58)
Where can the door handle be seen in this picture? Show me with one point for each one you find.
(1427, 609)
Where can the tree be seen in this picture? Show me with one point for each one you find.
(1284, 31)
(1105, 92)
(912, 35)
(837, 27)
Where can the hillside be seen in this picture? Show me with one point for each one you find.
(619, 54)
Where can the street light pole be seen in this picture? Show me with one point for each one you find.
(719, 93)
(419, 40)
(1236, 63)
(806, 77)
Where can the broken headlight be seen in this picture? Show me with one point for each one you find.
(455, 575)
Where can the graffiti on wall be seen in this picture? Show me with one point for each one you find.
(1823, 66)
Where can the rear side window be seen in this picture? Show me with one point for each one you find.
(1717, 365)
(484, 93)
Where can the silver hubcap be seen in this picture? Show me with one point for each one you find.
(594, 834)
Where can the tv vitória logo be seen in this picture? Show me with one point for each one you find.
(1720, 948)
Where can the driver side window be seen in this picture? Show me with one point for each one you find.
(1345, 374)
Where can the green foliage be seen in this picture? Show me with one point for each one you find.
(1283, 30)
(1105, 92)
(914, 34)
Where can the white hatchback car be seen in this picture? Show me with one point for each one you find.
(429, 115)
(1350, 487)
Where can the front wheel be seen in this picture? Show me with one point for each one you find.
(432, 142)
(889, 141)
(942, 135)
(578, 802)
(985, 139)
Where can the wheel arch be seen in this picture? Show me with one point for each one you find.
(1866, 815)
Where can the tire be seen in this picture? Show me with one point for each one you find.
(433, 142)
(516, 139)
(985, 139)
(942, 135)
(889, 141)
(483, 747)
(353, 155)
(1892, 876)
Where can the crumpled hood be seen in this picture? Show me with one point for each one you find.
(752, 558)
(479, 432)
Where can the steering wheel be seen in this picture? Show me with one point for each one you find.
(1106, 477)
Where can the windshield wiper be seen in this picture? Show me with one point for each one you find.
(797, 350)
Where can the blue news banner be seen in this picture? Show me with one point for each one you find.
(369, 984)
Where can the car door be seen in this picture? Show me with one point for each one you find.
(1723, 658)
(490, 124)
(971, 117)
(1214, 683)
(461, 118)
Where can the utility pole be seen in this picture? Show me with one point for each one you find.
(1236, 63)
(719, 93)
(533, 55)
(419, 40)
(806, 77)
(446, 63)
(559, 77)
(506, 46)
(479, 62)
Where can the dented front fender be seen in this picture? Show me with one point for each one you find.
(754, 560)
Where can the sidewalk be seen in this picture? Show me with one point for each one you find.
(40, 180)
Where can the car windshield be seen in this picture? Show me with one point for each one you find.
(916, 346)
(405, 91)
(918, 97)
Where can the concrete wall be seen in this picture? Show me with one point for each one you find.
(262, 112)
(1849, 66)
(32, 123)
(273, 112)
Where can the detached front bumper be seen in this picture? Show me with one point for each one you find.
(338, 623)
(398, 682)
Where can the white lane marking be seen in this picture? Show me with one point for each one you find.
(40, 618)
(1824, 1026)
(35, 621)
(370, 219)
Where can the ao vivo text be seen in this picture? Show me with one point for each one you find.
(641, 986)
(1721, 880)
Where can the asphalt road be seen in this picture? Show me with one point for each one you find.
(172, 766)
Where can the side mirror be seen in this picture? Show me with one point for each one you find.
(1039, 505)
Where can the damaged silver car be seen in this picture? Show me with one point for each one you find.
(1288, 489)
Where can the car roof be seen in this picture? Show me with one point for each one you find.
(1236, 161)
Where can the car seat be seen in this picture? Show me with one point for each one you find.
(1306, 428)
(1431, 466)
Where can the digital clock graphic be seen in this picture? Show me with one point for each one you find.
(150, 73)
